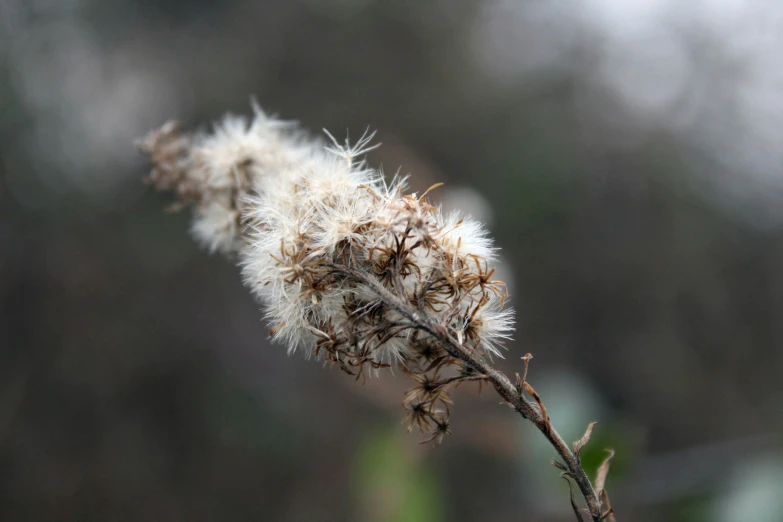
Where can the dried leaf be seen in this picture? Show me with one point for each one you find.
(603, 471)
(529, 389)
(573, 502)
(559, 465)
(609, 513)
(526, 358)
(520, 382)
(578, 445)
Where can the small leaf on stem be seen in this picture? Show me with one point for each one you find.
(573, 502)
(578, 445)
(603, 471)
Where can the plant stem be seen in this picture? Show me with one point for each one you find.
(502, 384)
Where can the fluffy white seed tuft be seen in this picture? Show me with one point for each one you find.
(347, 267)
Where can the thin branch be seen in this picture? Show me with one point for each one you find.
(535, 413)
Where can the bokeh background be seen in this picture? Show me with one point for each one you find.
(626, 155)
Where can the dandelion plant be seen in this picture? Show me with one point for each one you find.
(353, 270)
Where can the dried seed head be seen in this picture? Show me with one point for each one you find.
(303, 217)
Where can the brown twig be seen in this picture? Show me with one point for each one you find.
(535, 413)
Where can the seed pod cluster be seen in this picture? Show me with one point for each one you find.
(348, 267)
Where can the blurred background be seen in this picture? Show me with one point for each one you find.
(626, 155)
